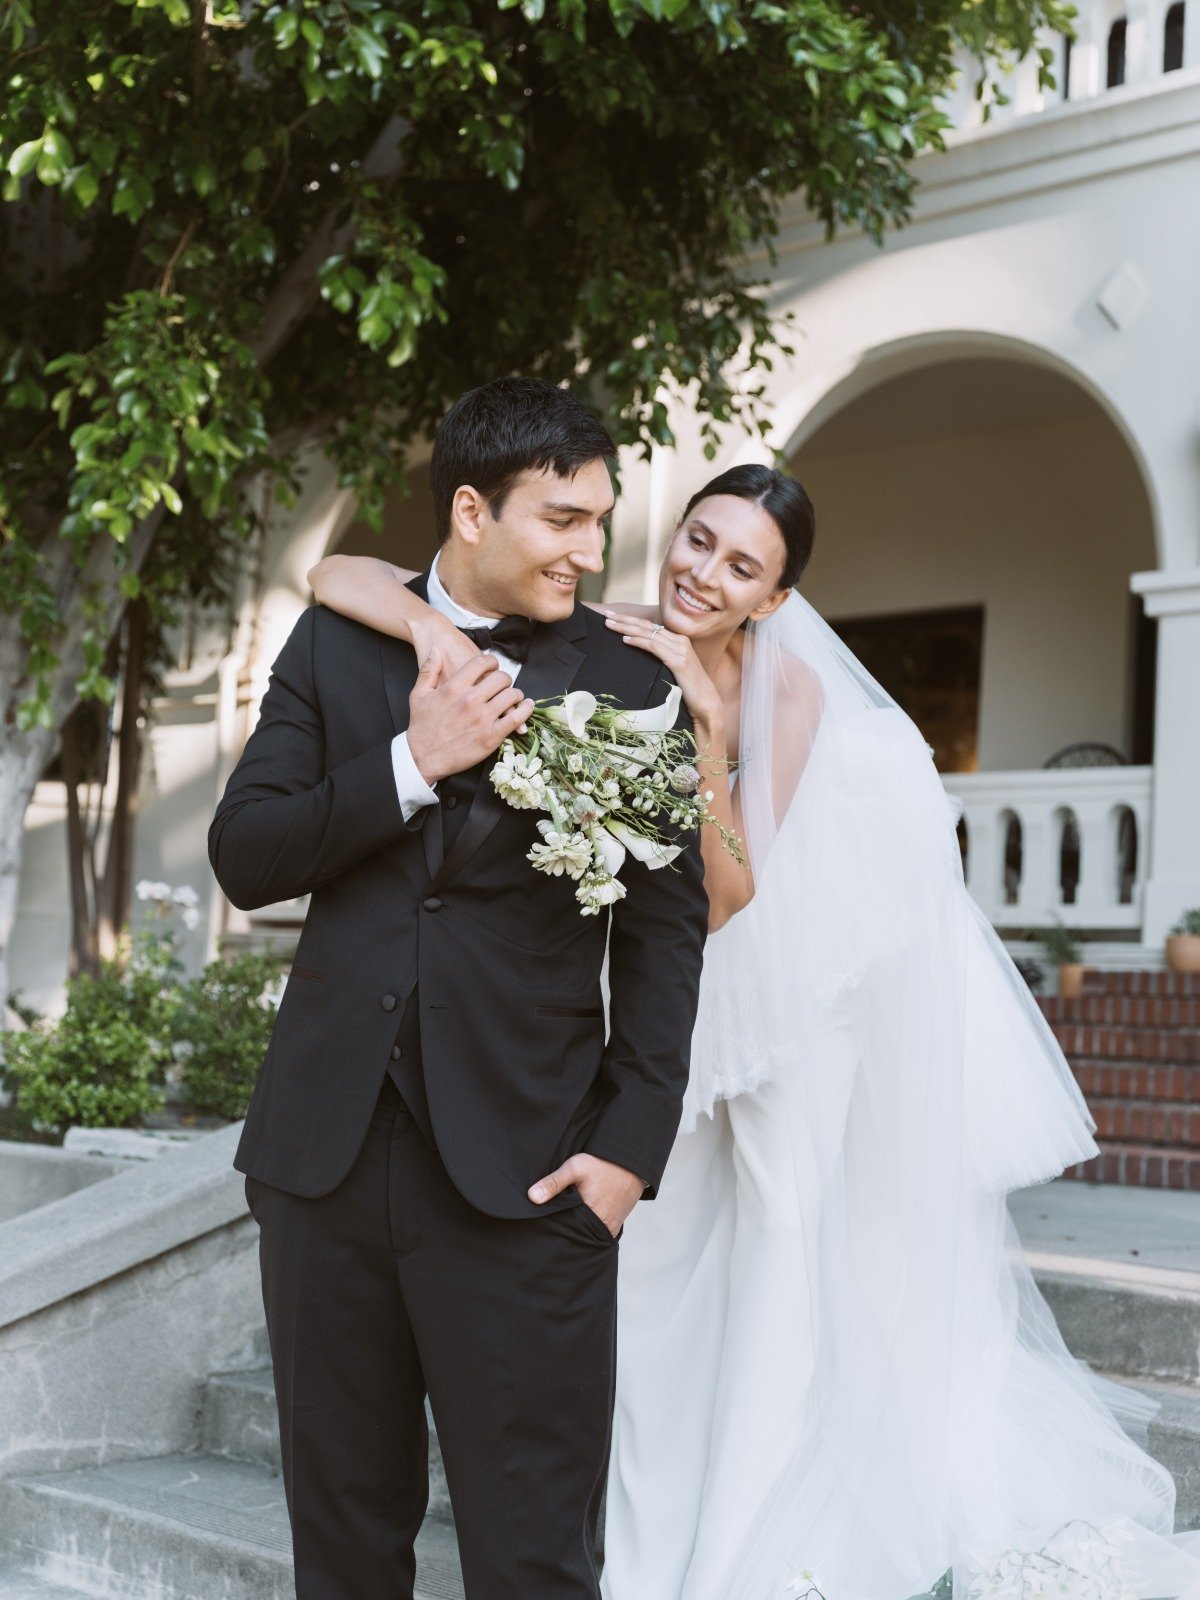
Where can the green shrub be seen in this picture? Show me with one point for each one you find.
(222, 1025)
(1189, 922)
(102, 1063)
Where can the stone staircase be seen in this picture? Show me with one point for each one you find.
(211, 1524)
(1133, 1041)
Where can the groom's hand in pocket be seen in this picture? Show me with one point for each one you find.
(453, 725)
(611, 1191)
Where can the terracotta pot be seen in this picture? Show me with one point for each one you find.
(1070, 979)
(1183, 952)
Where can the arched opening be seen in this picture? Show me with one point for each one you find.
(978, 521)
(1125, 853)
(1012, 857)
(964, 844)
(1069, 855)
(1115, 65)
(1064, 70)
(1173, 37)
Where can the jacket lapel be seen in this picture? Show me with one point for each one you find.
(549, 670)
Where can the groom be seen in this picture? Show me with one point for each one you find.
(440, 1053)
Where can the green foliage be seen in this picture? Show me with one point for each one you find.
(1189, 922)
(102, 1063)
(229, 229)
(222, 1028)
(1059, 944)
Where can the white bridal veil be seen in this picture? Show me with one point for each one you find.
(947, 1428)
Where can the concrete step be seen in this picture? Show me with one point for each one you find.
(18, 1585)
(1137, 1080)
(1157, 1122)
(241, 1423)
(192, 1527)
(1149, 1166)
(1173, 1437)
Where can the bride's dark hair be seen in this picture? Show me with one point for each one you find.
(785, 502)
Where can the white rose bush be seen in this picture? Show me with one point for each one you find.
(612, 782)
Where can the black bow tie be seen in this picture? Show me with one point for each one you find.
(511, 636)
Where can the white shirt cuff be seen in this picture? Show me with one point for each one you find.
(413, 792)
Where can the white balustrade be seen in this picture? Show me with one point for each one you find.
(1022, 828)
(1146, 24)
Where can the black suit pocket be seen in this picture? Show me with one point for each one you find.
(310, 973)
(568, 1011)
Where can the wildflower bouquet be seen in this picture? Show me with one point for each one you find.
(613, 781)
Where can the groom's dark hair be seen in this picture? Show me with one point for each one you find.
(491, 435)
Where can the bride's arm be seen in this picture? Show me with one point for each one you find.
(728, 883)
(375, 592)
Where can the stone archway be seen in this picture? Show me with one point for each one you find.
(993, 483)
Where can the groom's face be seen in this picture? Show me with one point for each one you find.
(549, 532)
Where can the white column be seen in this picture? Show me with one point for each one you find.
(1173, 879)
(1142, 33)
(1191, 34)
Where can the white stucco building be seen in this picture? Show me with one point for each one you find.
(997, 415)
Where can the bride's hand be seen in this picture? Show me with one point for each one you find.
(675, 651)
(433, 629)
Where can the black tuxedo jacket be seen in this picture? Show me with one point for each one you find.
(518, 1070)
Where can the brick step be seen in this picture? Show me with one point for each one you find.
(1139, 1011)
(1180, 985)
(1158, 1122)
(1136, 1080)
(1166, 1046)
(1144, 1164)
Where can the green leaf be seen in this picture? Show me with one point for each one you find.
(24, 158)
(171, 498)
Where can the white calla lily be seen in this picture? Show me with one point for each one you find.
(648, 851)
(576, 710)
(653, 719)
(612, 851)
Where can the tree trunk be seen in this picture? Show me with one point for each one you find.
(85, 952)
(23, 759)
(115, 891)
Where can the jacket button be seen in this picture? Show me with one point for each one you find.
(396, 1052)
(432, 904)
(450, 802)
(388, 1002)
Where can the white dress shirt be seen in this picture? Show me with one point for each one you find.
(414, 793)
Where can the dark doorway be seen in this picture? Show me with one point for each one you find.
(929, 662)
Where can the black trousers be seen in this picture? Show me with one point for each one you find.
(392, 1286)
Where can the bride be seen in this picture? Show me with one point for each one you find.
(836, 1376)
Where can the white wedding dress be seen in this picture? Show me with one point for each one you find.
(836, 1375)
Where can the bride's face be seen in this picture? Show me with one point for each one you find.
(723, 565)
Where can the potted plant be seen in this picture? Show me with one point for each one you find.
(1065, 951)
(1183, 943)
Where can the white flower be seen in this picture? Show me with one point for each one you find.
(597, 891)
(576, 710)
(518, 779)
(190, 917)
(185, 895)
(561, 852)
(148, 889)
(611, 851)
(648, 851)
(653, 719)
